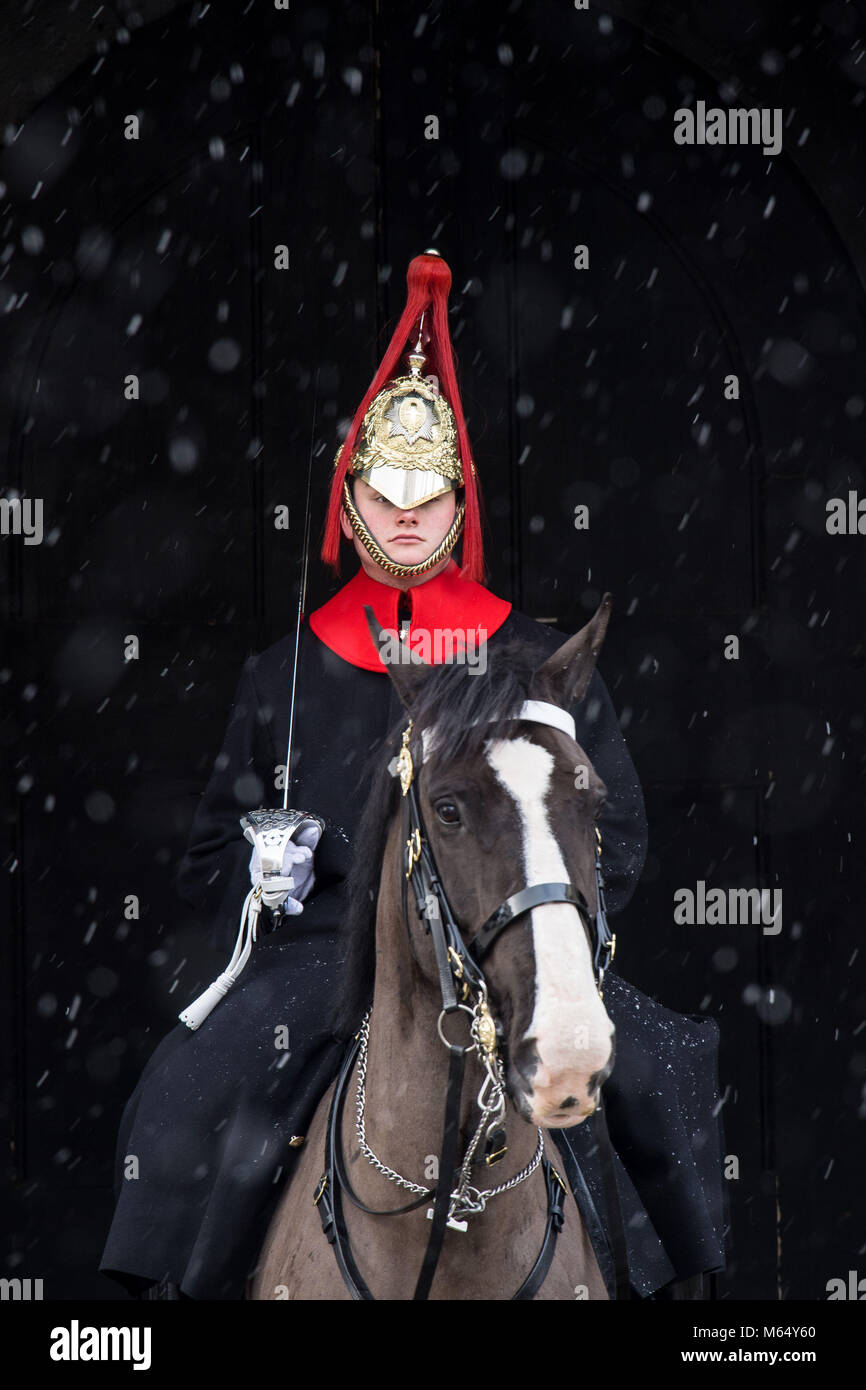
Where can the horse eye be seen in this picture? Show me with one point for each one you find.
(448, 813)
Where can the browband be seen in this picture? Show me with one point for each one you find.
(536, 711)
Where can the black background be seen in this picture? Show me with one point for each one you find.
(602, 386)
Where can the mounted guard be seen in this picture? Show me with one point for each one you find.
(220, 1119)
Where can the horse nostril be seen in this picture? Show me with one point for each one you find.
(598, 1078)
(525, 1058)
(569, 1103)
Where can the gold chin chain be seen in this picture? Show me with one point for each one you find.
(377, 553)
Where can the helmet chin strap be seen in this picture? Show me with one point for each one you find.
(376, 553)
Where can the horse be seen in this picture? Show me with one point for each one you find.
(488, 759)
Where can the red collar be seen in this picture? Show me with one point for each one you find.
(445, 602)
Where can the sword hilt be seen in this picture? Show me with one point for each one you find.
(269, 831)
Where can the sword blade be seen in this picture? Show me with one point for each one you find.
(302, 594)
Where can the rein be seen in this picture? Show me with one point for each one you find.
(334, 1182)
(461, 979)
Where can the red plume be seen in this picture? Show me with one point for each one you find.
(429, 280)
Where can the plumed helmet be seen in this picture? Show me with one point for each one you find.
(408, 438)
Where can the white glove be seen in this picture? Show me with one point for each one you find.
(296, 873)
(296, 877)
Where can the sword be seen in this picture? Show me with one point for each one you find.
(270, 831)
(302, 593)
(267, 830)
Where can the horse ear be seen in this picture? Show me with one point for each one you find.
(569, 670)
(404, 666)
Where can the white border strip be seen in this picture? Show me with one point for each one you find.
(536, 711)
(542, 713)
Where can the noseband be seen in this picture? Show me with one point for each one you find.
(461, 979)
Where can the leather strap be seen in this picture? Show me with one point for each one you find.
(618, 1245)
(430, 892)
(447, 1170)
(556, 1190)
(592, 1222)
(533, 896)
(327, 1197)
(336, 1166)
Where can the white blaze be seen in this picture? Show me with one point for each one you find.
(571, 1029)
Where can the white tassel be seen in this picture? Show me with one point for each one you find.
(199, 1009)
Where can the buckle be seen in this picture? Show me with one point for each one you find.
(556, 1176)
(413, 850)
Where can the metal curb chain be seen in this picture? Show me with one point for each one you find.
(530, 1168)
(360, 1126)
(491, 1102)
(466, 1199)
(482, 1198)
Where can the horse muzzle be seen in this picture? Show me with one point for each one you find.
(555, 1098)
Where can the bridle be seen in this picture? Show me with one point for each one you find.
(425, 878)
(460, 980)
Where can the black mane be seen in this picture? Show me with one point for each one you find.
(467, 708)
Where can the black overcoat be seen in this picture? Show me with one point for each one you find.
(212, 1115)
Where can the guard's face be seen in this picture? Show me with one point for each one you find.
(407, 537)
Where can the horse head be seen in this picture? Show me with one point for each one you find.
(504, 810)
